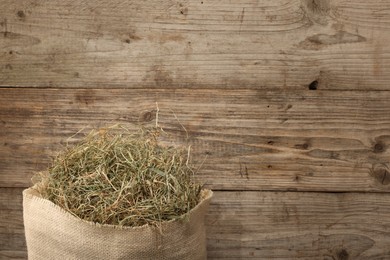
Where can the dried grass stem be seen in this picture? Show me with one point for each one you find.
(119, 177)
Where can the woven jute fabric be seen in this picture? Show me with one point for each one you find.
(53, 233)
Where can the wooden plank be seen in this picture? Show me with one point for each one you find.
(276, 44)
(279, 225)
(296, 225)
(11, 218)
(249, 139)
(13, 254)
(12, 241)
(10, 199)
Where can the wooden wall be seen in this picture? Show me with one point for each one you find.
(286, 100)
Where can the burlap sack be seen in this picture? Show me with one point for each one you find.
(53, 233)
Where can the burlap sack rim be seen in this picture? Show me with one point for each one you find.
(206, 195)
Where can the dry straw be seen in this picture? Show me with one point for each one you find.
(121, 177)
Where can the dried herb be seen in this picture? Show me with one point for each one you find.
(121, 177)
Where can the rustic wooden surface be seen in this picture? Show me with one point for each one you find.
(268, 225)
(286, 101)
(299, 225)
(248, 139)
(213, 44)
(12, 243)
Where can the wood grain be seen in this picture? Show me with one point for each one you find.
(21, 254)
(272, 225)
(298, 225)
(248, 139)
(281, 44)
(12, 241)
(273, 97)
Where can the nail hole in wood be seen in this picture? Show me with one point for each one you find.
(313, 85)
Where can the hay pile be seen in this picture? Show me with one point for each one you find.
(121, 178)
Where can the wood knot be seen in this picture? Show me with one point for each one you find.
(21, 14)
(147, 116)
(317, 11)
(379, 147)
(318, 6)
(381, 174)
(342, 255)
